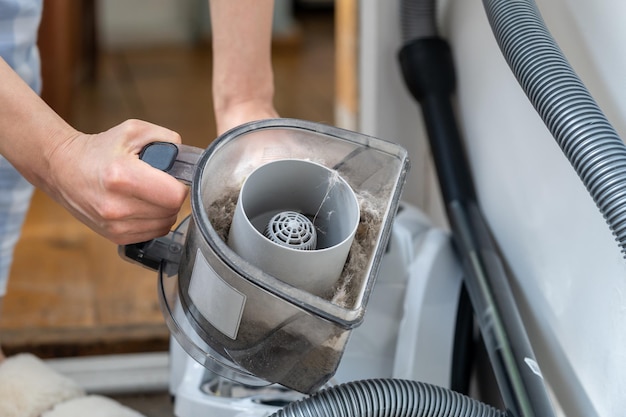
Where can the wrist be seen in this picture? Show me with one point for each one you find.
(243, 111)
(59, 139)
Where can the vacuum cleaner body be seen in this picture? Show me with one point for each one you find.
(566, 272)
(419, 280)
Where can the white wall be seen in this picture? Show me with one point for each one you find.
(569, 276)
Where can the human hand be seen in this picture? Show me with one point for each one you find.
(102, 182)
(241, 112)
(268, 145)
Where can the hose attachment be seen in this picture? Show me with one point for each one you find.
(388, 397)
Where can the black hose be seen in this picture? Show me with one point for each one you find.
(428, 70)
(418, 19)
(463, 351)
(388, 398)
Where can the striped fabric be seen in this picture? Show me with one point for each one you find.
(19, 21)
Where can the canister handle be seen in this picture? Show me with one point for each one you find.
(176, 159)
(163, 252)
(180, 162)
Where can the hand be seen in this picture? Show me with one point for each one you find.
(242, 112)
(269, 145)
(102, 182)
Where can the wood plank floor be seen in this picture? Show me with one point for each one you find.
(69, 293)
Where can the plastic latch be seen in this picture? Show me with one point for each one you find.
(163, 252)
(160, 155)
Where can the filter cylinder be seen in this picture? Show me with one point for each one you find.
(296, 220)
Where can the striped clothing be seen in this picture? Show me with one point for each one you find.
(19, 22)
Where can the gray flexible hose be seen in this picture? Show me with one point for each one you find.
(567, 108)
(387, 398)
(418, 19)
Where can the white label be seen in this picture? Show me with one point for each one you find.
(218, 302)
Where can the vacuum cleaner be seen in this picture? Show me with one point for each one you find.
(278, 332)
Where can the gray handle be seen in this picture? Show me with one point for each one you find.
(163, 252)
(179, 161)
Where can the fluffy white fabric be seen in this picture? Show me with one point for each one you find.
(92, 406)
(28, 387)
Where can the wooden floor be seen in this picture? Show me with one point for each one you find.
(69, 293)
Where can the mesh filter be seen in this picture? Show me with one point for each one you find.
(293, 230)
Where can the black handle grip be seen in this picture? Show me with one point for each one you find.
(180, 162)
(160, 155)
(153, 254)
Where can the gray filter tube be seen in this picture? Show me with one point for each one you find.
(583, 132)
(385, 398)
(296, 220)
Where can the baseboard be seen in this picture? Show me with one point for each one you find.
(117, 374)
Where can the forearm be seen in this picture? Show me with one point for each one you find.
(242, 67)
(30, 131)
(96, 177)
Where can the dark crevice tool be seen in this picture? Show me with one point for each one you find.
(463, 350)
(428, 70)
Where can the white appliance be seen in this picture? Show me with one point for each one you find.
(566, 269)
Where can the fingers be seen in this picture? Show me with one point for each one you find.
(139, 182)
(143, 221)
(134, 231)
(137, 179)
(138, 133)
(101, 181)
(148, 200)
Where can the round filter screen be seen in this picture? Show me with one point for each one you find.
(293, 230)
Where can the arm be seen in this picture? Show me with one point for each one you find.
(98, 178)
(243, 81)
